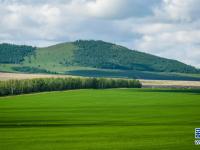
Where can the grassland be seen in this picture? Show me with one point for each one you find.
(50, 58)
(115, 119)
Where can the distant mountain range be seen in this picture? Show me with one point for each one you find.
(92, 58)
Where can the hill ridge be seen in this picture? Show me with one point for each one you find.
(64, 58)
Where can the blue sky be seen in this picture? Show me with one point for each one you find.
(167, 28)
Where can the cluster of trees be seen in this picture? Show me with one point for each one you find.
(105, 55)
(27, 69)
(15, 87)
(14, 54)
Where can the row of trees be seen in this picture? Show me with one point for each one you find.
(27, 69)
(15, 87)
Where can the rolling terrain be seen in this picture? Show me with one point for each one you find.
(93, 59)
(115, 119)
(120, 119)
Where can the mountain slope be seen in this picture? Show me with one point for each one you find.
(104, 55)
(81, 56)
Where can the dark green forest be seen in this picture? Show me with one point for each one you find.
(14, 54)
(104, 55)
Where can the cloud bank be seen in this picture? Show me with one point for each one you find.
(167, 28)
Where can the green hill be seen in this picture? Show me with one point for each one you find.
(92, 58)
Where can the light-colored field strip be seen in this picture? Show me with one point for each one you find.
(10, 76)
(170, 83)
(145, 83)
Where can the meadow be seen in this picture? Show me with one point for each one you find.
(112, 119)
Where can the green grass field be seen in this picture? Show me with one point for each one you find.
(115, 119)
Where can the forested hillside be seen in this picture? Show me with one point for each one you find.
(14, 54)
(92, 58)
(104, 55)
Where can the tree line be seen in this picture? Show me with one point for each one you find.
(14, 54)
(15, 87)
(27, 69)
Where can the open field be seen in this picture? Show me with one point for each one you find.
(18, 76)
(145, 83)
(115, 119)
(170, 84)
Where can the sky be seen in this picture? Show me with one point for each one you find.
(166, 28)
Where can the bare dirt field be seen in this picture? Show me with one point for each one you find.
(145, 83)
(169, 84)
(19, 76)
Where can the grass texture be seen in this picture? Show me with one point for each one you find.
(114, 119)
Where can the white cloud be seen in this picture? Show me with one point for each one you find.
(153, 28)
(120, 8)
(176, 43)
(168, 28)
(181, 10)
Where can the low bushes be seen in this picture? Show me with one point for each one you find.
(14, 87)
